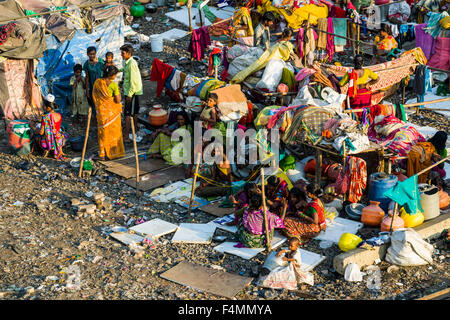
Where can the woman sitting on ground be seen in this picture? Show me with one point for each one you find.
(251, 228)
(424, 154)
(106, 96)
(296, 202)
(309, 224)
(50, 136)
(241, 199)
(163, 145)
(276, 190)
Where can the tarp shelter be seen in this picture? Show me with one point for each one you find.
(56, 67)
(19, 92)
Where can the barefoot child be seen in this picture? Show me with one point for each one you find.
(80, 105)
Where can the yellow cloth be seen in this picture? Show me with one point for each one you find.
(110, 140)
(361, 80)
(242, 17)
(296, 18)
(281, 50)
(387, 44)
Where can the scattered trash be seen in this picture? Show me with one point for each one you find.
(352, 273)
(324, 244)
(18, 203)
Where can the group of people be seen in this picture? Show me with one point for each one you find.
(297, 213)
(97, 90)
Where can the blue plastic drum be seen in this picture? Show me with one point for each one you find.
(378, 184)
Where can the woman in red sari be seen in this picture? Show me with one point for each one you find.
(309, 224)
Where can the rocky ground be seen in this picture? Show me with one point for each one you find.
(45, 242)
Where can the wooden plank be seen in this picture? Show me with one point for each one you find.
(128, 170)
(440, 295)
(217, 282)
(215, 210)
(157, 179)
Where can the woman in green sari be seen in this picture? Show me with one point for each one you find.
(163, 145)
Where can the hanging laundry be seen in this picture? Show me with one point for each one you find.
(330, 40)
(160, 73)
(423, 40)
(357, 173)
(214, 60)
(340, 29)
(199, 42)
(322, 25)
(434, 28)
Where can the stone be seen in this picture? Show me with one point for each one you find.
(87, 208)
(75, 202)
(392, 269)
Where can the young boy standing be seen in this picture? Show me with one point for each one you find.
(132, 88)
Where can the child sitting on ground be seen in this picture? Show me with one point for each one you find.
(291, 255)
(80, 105)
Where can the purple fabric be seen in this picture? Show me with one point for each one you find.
(253, 221)
(424, 40)
(242, 199)
(199, 42)
(330, 39)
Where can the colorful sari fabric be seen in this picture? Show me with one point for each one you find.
(253, 221)
(53, 139)
(317, 206)
(164, 145)
(251, 240)
(110, 140)
(5, 31)
(357, 172)
(387, 44)
(300, 228)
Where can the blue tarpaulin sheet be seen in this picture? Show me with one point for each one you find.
(55, 69)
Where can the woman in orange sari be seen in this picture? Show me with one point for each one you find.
(106, 96)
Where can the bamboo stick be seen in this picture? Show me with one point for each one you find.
(393, 216)
(357, 44)
(266, 222)
(85, 142)
(135, 155)
(432, 166)
(193, 183)
(410, 105)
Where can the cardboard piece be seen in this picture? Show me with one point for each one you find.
(155, 228)
(182, 15)
(128, 170)
(215, 210)
(200, 233)
(126, 238)
(249, 253)
(221, 223)
(337, 227)
(201, 278)
(154, 180)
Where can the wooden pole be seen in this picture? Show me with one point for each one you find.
(432, 166)
(200, 13)
(216, 71)
(352, 35)
(412, 105)
(266, 222)
(393, 216)
(304, 42)
(318, 172)
(190, 20)
(199, 155)
(85, 142)
(358, 35)
(136, 155)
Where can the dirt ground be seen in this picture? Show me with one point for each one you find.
(44, 243)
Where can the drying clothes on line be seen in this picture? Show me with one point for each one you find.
(434, 28)
(175, 80)
(419, 158)
(441, 58)
(424, 40)
(322, 25)
(406, 33)
(357, 173)
(355, 143)
(400, 11)
(199, 42)
(306, 43)
(203, 89)
(242, 23)
(340, 29)
(5, 31)
(214, 60)
(160, 73)
(330, 40)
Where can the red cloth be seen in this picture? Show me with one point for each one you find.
(248, 119)
(211, 66)
(441, 58)
(199, 42)
(353, 87)
(160, 72)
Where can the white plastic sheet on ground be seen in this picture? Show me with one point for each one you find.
(337, 227)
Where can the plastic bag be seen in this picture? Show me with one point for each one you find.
(280, 278)
(272, 75)
(409, 249)
(352, 272)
